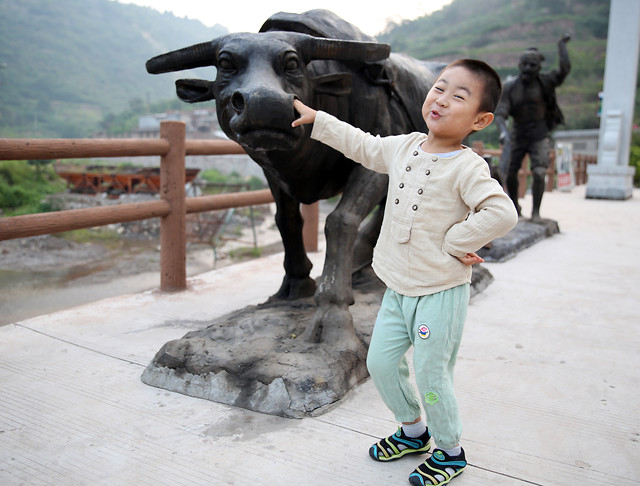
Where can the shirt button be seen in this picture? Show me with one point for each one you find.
(397, 201)
(408, 169)
(415, 207)
(434, 158)
(428, 172)
(401, 185)
(415, 153)
(420, 191)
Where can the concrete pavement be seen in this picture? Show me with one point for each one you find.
(547, 380)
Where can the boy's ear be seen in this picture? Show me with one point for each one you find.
(483, 120)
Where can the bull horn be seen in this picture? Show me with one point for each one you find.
(315, 48)
(192, 57)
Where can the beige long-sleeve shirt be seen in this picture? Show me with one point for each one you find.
(438, 208)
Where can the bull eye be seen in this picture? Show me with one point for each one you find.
(292, 64)
(226, 64)
(290, 61)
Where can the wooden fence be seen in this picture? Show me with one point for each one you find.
(580, 163)
(172, 208)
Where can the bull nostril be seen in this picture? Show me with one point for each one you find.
(237, 102)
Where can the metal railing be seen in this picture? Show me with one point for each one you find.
(172, 208)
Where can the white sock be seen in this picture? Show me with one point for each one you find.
(414, 430)
(455, 451)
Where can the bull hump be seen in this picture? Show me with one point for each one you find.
(318, 23)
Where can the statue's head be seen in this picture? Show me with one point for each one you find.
(530, 64)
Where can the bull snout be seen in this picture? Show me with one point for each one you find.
(262, 108)
(261, 118)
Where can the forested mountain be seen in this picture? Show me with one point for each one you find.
(66, 65)
(497, 31)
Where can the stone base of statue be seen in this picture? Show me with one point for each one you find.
(525, 234)
(253, 358)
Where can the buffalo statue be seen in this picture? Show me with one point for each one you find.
(330, 65)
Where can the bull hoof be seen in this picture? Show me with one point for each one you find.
(294, 289)
(331, 323)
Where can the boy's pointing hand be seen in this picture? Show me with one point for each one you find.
(307, 115)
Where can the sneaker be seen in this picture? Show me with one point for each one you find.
(440, 468)
(397, 445)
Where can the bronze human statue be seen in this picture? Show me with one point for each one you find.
(530, 100)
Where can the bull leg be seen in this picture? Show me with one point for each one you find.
(296, 283)
(367, 238)
(363, 191)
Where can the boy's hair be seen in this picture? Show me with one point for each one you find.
(490, 79)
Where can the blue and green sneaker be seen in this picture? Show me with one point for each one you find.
(440, 468)
(397, 445)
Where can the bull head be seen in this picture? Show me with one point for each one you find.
(308, 47)
(258, 76)
(311, 48)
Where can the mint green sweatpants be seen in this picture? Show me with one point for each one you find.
(433, 324)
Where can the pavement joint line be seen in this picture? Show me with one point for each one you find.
(504, 475)
(81, 346)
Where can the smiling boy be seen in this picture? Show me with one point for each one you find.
(442, 206)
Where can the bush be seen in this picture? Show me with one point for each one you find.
(634, 157)
(215, 177)
(23, 185)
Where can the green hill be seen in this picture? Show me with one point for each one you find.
(67, 66)
(67, 63)
(497, 31)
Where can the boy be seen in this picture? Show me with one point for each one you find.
(442, 206)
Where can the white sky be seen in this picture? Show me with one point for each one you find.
(249, 15)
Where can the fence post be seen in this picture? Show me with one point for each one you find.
(173, 237)
(310, 218)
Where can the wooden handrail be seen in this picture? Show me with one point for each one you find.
(227, 201)
(80, 148)
(73, 219)
(213, 147)
(172, 148)
(42, 148)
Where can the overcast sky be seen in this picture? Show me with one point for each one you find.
(249, 15)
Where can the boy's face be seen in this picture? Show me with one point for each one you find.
(451, 108)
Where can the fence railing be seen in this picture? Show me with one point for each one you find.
(172, 208)
(580, 163)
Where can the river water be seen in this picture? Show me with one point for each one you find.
(27, 293)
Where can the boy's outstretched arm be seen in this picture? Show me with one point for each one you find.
(307, 115)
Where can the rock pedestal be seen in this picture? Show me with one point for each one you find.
(254, 358)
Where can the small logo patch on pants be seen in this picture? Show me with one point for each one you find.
(423, 331)
(431, 398)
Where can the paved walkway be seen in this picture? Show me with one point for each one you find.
(547, 380)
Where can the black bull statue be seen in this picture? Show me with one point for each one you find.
(330, 65)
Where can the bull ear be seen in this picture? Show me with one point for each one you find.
(194, 90)
(315, 48)
(191, 57)
(338, 84)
